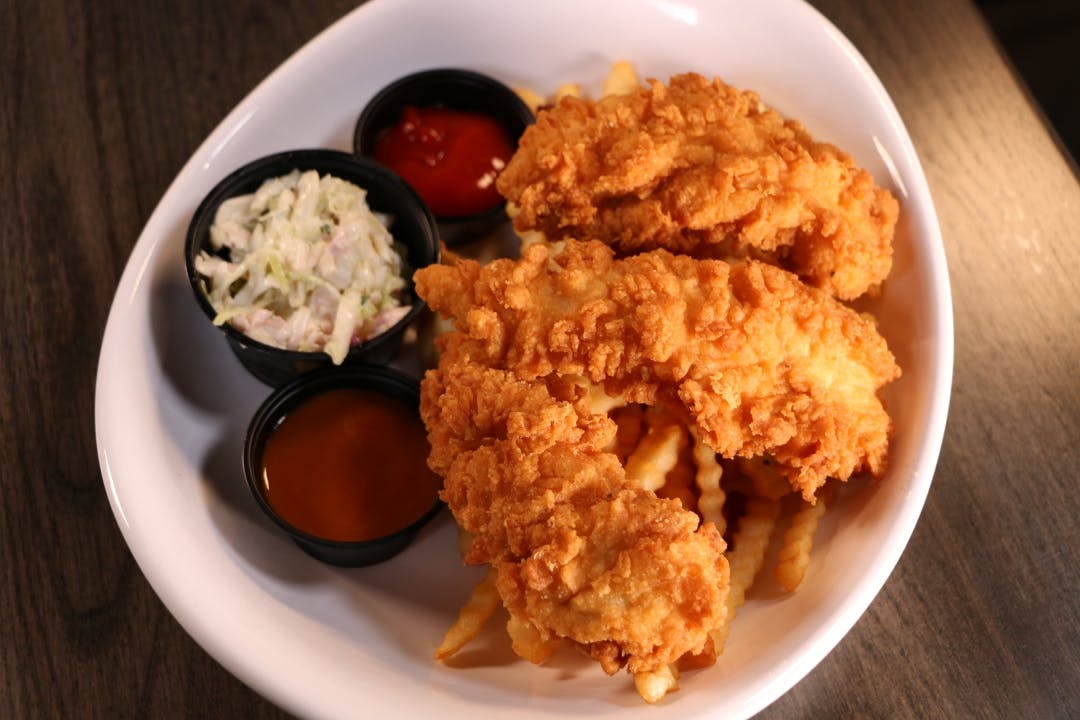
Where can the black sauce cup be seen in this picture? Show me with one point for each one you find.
(371, 378)
(412, 225)
(456, 89)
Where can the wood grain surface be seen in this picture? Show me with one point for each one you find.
(101, 103)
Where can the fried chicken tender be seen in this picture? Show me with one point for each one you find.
(756, 362)
(761, 362)
(700, 168)
(580, 553)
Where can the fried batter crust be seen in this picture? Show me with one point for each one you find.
(763, 363)
(760, 362)
(698, 167)
(582, 555)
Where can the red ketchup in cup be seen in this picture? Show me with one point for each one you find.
(450, 157)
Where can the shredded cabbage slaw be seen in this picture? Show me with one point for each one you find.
(309, 266)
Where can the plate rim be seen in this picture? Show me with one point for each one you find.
(146, 250)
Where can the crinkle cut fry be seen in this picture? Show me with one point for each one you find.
(793, 557)
(527, 642)
(708, 475)
(746, 557)
(762, 363)
(655, 684)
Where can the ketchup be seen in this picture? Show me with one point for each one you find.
(349, 465)
(450, 157)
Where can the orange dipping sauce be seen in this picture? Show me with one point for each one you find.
(349, 465)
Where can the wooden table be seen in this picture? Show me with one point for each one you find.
(103, 103)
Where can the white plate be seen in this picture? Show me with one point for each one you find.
(173, 403)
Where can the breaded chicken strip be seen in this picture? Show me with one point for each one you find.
(700, 168)
(761, 362)
(581, 554)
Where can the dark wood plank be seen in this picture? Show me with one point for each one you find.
(1040, 39)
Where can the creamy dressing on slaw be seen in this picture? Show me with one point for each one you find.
(304, 264)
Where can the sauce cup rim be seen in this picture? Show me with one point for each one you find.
(269, 415)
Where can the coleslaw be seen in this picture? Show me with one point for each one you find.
(304, 264)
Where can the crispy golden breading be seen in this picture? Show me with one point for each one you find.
(580, 553)
(700, 168)
(761, 362)
(754, 359)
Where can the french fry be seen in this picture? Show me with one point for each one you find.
(750, 543)
(794, 555)
(526, 641)
(630, 424)
(712, 497)
(649, 464)
(679, 481)
(567, 90)
(480, 606)
(765, 477)
(746, 557)
(621, 79)
(531, 98)
(654, 685)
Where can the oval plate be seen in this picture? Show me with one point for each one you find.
(172, 403)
